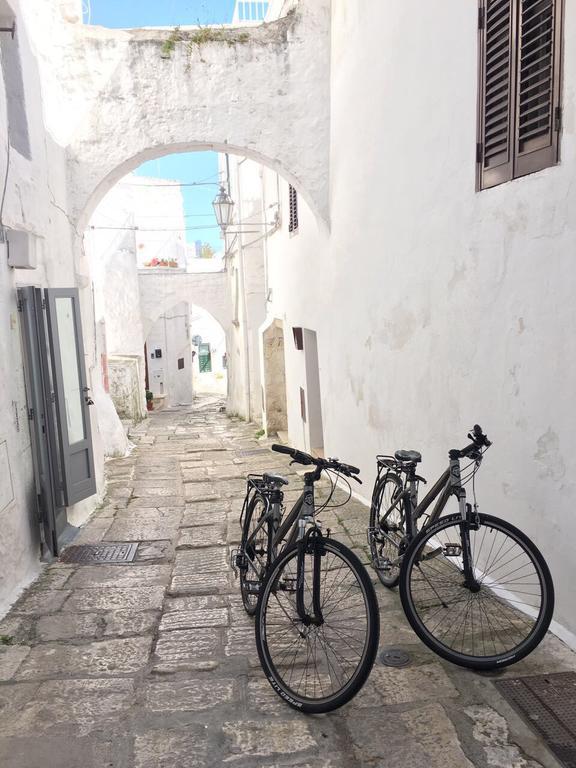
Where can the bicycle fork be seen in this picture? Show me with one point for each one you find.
(310, 543)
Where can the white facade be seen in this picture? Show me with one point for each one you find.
(33, 164)
(169, 351)
(424, 306)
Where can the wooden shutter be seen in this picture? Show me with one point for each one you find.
(538, 85)
(293, 209)
(495, 151)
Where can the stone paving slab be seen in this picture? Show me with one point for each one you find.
(70, 707)
(95, 576)
(187, 649)
(101, 658)
(188, 696)
(142, 529)
(201, 536)
(142, 598)
(153, 664)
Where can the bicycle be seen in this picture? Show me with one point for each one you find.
(317, 617)
(473, 587)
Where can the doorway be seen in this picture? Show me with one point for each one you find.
(275, 410)
(58, 407)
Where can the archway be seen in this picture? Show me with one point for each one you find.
(232, 93)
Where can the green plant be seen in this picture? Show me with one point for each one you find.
(149, 395)
(260, 433)
(169, 44)
(7, 640)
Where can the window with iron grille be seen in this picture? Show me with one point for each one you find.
(519, 116)
(293, 209)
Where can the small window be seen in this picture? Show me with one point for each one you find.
(157, 353)
(180, 363)
(298, 338)
(293, 209)
(519, 117)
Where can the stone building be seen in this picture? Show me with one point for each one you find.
(414, 270)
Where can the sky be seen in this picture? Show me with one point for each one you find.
(157, 13)
(192, 166)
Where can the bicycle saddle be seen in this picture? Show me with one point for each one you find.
(413, 456)
(275, 479)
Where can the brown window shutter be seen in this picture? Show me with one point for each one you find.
(538, 85)
(497, 32)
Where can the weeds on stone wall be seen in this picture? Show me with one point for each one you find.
(198, 37)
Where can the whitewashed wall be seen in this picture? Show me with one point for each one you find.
(171, 335)
(435, 306)
(36, 201)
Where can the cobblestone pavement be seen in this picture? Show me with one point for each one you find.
(153, 665)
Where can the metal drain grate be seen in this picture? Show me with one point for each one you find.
(94, 554)
(548, 703)
(394, 657)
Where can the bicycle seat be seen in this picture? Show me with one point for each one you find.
(274, 479)
(412, 456)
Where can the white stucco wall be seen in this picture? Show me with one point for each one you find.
(435, 306)
(170, 335)
(36, 201)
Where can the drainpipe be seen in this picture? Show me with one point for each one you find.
(242, 288)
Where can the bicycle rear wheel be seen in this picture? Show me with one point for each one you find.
(254, 547)
(319, 668)
(495, 621)
(388, 528)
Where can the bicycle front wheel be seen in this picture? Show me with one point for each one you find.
(491, 621)
(318, 668)
(388, 528)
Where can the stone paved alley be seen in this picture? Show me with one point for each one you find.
(152, 664)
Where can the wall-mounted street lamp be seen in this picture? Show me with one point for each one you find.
(223, 208)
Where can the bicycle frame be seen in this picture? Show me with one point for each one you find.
(293, 529)
(448, 484)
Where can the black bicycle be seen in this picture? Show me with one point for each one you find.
(317, 618)
(474, 588)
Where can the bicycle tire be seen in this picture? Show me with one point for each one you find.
(388, 578)
(249, 600)
(323, 703)
(501, 600)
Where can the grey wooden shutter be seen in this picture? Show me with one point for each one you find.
(293, 209)
(538, 85)
(495, 149)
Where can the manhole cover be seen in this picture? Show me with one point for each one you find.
(109, 554)
(548, 703)
(394, 657)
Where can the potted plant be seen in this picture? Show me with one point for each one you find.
(149, 400)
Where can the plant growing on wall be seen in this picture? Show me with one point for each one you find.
(161, 263)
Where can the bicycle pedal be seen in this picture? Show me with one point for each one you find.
(431, 555)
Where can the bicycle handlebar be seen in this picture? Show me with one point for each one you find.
(479, 440)
(304, 458)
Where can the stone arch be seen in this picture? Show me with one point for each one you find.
(160, 291)
(261, 92)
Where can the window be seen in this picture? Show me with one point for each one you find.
(180, 363)
(293, 209)
(519, 113)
